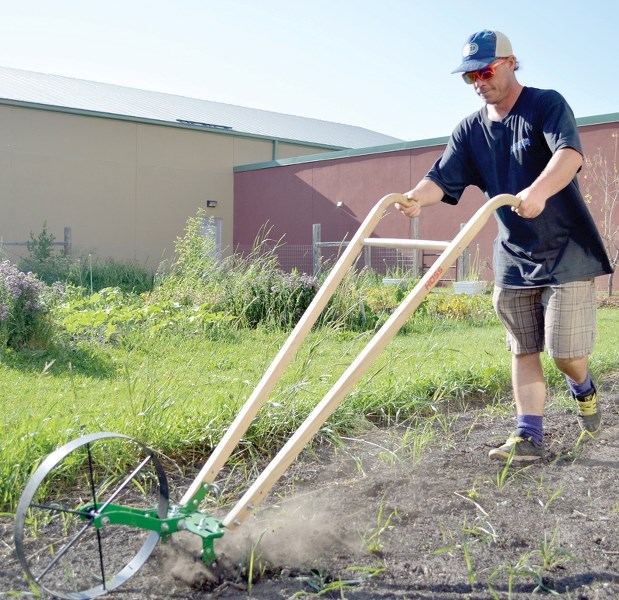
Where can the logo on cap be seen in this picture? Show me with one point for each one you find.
(470, 49)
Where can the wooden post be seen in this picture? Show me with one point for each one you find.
(67, 241)
(415, 236)
(316, 248)
(462, 267)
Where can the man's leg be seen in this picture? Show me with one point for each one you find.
(525, 444)
(529, 384)
(576, 369)
(582, 388)
(521, 312)
(570, 332)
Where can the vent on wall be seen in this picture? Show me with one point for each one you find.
(200, 124)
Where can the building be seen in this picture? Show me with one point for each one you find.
(124, 168)
(337, 190)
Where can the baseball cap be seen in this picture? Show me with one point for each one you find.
(482, 49)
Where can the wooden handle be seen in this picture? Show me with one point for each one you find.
(275, 469)
(253, 404)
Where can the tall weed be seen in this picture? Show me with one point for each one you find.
(250, 289)
(94, 274)
(88, 272)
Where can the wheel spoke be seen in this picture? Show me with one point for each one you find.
(101, 565)
(60, 509)
(62, 552)
(91, 478)
(124, 484)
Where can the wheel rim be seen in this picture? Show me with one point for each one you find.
(56, 542)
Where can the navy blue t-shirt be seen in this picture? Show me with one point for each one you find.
(560, 245)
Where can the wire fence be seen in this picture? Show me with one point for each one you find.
(385, 261)
(16, 249)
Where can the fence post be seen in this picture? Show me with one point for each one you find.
(67, 241)
(463, 261)
(367, 256)
(315, 248)
(415, 236)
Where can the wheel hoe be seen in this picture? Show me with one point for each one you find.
(94, 509)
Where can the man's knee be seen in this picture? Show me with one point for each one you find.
(575, 368)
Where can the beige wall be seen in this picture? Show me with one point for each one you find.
(126, 189)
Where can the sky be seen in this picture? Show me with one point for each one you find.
(384, 65)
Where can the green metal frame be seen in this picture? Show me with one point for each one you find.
(177, 519)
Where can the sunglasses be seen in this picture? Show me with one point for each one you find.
(483, 74)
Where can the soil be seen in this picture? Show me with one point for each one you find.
(379, 517)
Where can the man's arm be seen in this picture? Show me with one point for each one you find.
(425, 193)
(559, 171)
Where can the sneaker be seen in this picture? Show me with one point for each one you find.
(589, 414)
(518, 448)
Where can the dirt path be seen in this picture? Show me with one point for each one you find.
(372, 520)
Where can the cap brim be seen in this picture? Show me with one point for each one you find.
(474, 65)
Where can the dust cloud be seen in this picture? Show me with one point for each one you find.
(290, 536)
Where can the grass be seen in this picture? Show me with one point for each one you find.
(180, 393)
(154, 392)
(372, 539)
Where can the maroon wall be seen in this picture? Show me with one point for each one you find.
(290, 198)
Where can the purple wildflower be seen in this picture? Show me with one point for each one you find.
(20, 303)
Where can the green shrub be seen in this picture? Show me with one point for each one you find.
(48, 265)
(362, 303)
(194, 252)
(346, 307)
(111, 314)
(446, 306)
(193, 276)
(250, 290)
(269, 296)
(92, 275)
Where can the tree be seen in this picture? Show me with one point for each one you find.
(41, 248)
(602, 193)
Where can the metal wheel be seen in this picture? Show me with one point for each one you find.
(59, 547)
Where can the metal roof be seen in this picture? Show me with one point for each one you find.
(55, 92)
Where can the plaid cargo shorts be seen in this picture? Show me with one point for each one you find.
(559, 317)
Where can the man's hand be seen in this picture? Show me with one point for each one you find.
(559, 171)
(531, 204)
(412, 208)
(425, 193)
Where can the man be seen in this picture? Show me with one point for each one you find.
(524, 142)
